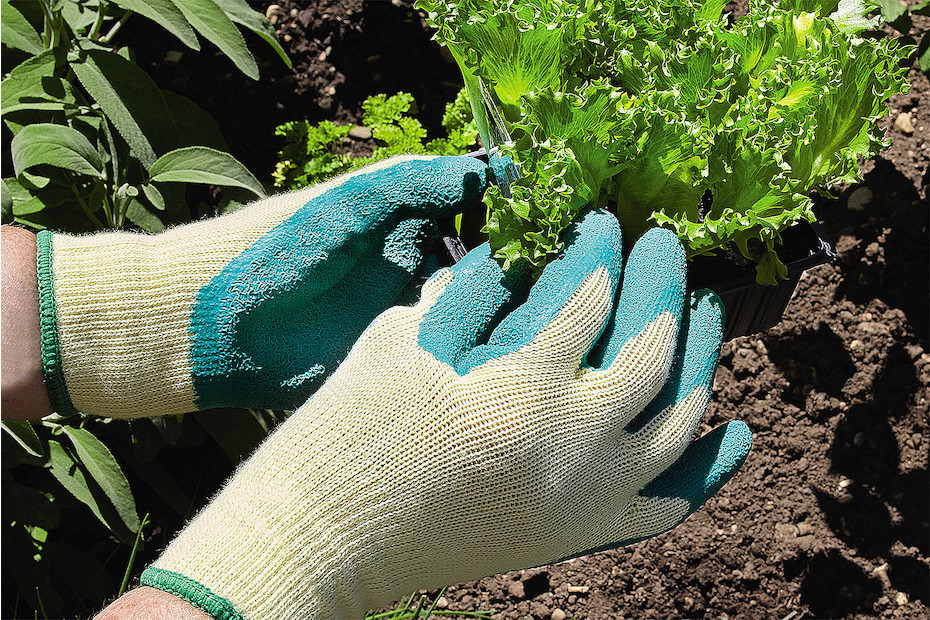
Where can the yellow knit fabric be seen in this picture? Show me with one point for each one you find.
(124, 302)
(401, 474)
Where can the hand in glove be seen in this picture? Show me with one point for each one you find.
(252, 309)
(478, 431)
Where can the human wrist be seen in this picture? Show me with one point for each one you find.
(24, 393)
(150, 603)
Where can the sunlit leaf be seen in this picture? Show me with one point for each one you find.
(54, 145)
(200, 164)
(211, 21)
(165, 14)
(106, 472)
(24, 434)
(17, 32)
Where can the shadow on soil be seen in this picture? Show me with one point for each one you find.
(832, 586)
(815, 357)
(910, 576)
(864, 447)
(860, 519)
(896, 269)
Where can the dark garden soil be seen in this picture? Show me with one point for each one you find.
(829, 516)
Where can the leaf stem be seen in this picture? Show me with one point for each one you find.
(41, 605)
(114, 166)
(47, 24)
(98, 22)
(116, 27)
(132, 556)
(86, 208)
(119, 212)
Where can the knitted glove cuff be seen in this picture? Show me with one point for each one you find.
(194, 592)
(114, 335)
(48, 322)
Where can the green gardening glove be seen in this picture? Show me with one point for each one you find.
(252, 309)
(478, 431)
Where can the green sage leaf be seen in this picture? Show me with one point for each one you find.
(167, 15)
(201, 164)
(106, 472)
(67, 472)
(17, 32)
(240, 12)
(25, 435)
(154, 196)
(211, 21)
(131, 101)
(193, 122)
(55, 145)
(79, 16)
(143, 218)
(32, 85)
(6, 203)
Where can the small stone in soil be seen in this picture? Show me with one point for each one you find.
(557, 614)
(360, 132)
(273, 13)
(904, 123)
(859, 199)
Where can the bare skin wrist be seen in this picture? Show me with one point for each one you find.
(152, 603)
(23, 395)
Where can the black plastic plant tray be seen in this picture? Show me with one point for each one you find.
(751, 307)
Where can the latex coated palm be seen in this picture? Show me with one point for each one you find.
(464, 436)
(252, 309)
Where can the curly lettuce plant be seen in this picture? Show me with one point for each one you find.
(671, 113)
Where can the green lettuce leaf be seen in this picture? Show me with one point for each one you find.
(670, 113)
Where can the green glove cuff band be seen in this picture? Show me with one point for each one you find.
(48, 324)
(195, 593)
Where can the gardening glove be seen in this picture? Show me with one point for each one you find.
(464, 437)
(252, 309)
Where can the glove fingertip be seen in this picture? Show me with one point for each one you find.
(727, 458)
(696, 358)
(706, 465)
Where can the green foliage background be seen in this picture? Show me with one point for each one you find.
(314, 153)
